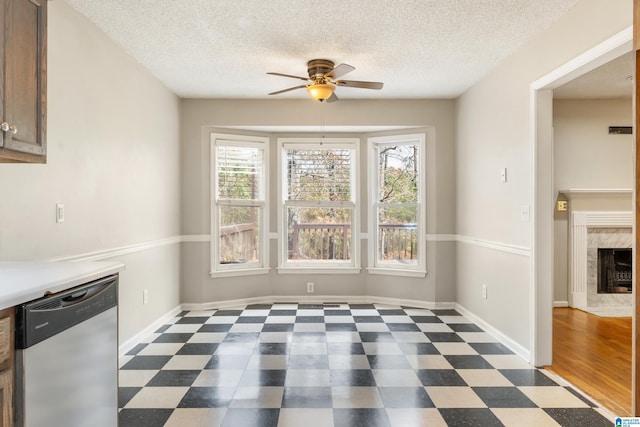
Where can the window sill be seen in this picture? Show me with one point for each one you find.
(239, 272)
(397, 272)
(316, 270)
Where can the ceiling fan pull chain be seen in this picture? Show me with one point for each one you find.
(321, 123)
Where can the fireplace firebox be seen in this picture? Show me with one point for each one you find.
(614, 270)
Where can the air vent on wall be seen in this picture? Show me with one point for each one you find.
(620, 130)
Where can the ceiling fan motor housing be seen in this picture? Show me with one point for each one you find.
(317, 68)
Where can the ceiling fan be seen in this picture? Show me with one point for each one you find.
(322, 80)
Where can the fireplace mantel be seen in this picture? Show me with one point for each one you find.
(590, 193)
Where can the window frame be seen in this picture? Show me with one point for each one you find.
(375, 266)
(315, 267)
(261, 266)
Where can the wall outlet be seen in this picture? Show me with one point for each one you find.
(309, 287)
(503, 175)
(484, 290)
(145, 296)
(563, 206)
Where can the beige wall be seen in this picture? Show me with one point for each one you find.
(131, 164)
(586, 156)
(113, 160)
(199, 117)
(493, 132)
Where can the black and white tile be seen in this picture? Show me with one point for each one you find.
(340, 365)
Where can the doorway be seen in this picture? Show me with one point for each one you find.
(545, 196)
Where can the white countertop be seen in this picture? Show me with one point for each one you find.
(25, 281)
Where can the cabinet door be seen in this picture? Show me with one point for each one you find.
(24, 78)
(6, 367)
(6, 398)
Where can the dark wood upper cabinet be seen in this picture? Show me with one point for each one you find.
(23, 94)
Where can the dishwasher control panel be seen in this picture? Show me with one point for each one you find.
(42, 318)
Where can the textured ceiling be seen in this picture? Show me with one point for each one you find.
(418, 48)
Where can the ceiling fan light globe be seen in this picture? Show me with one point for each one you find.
(320, 91)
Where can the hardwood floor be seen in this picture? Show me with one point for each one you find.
(594, 354)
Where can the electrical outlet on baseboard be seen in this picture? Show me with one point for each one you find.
(309, 287)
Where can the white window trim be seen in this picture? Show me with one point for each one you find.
(251, 268)
(375, 267)
(336, 267)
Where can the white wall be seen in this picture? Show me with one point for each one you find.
(199, 117)
(493, 132)
(586, 156)
(113, 160)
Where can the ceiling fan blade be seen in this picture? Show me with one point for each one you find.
(358, 84)
(289, 75)
(340, 70)
(332, 98)
(287, 90)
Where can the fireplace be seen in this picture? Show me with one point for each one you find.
(590, 231)
(614, 270)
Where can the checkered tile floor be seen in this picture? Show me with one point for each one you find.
(337, 365)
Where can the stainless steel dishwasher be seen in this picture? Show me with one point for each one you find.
(67, 358)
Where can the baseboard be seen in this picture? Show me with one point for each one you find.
(136, 339)
(561, 303)
(318, 299)
(511, 344)
(429, 305)
(270, 299)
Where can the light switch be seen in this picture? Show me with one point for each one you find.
(59, 213)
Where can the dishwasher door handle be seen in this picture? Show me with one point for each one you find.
(83, 294)
(75, 297)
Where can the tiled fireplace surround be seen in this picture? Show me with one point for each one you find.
(588, 232)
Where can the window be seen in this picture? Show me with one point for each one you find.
(239, 237)
(318, 204)
(397, 211)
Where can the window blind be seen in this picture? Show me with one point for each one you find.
(240, 173)
(319, 174)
